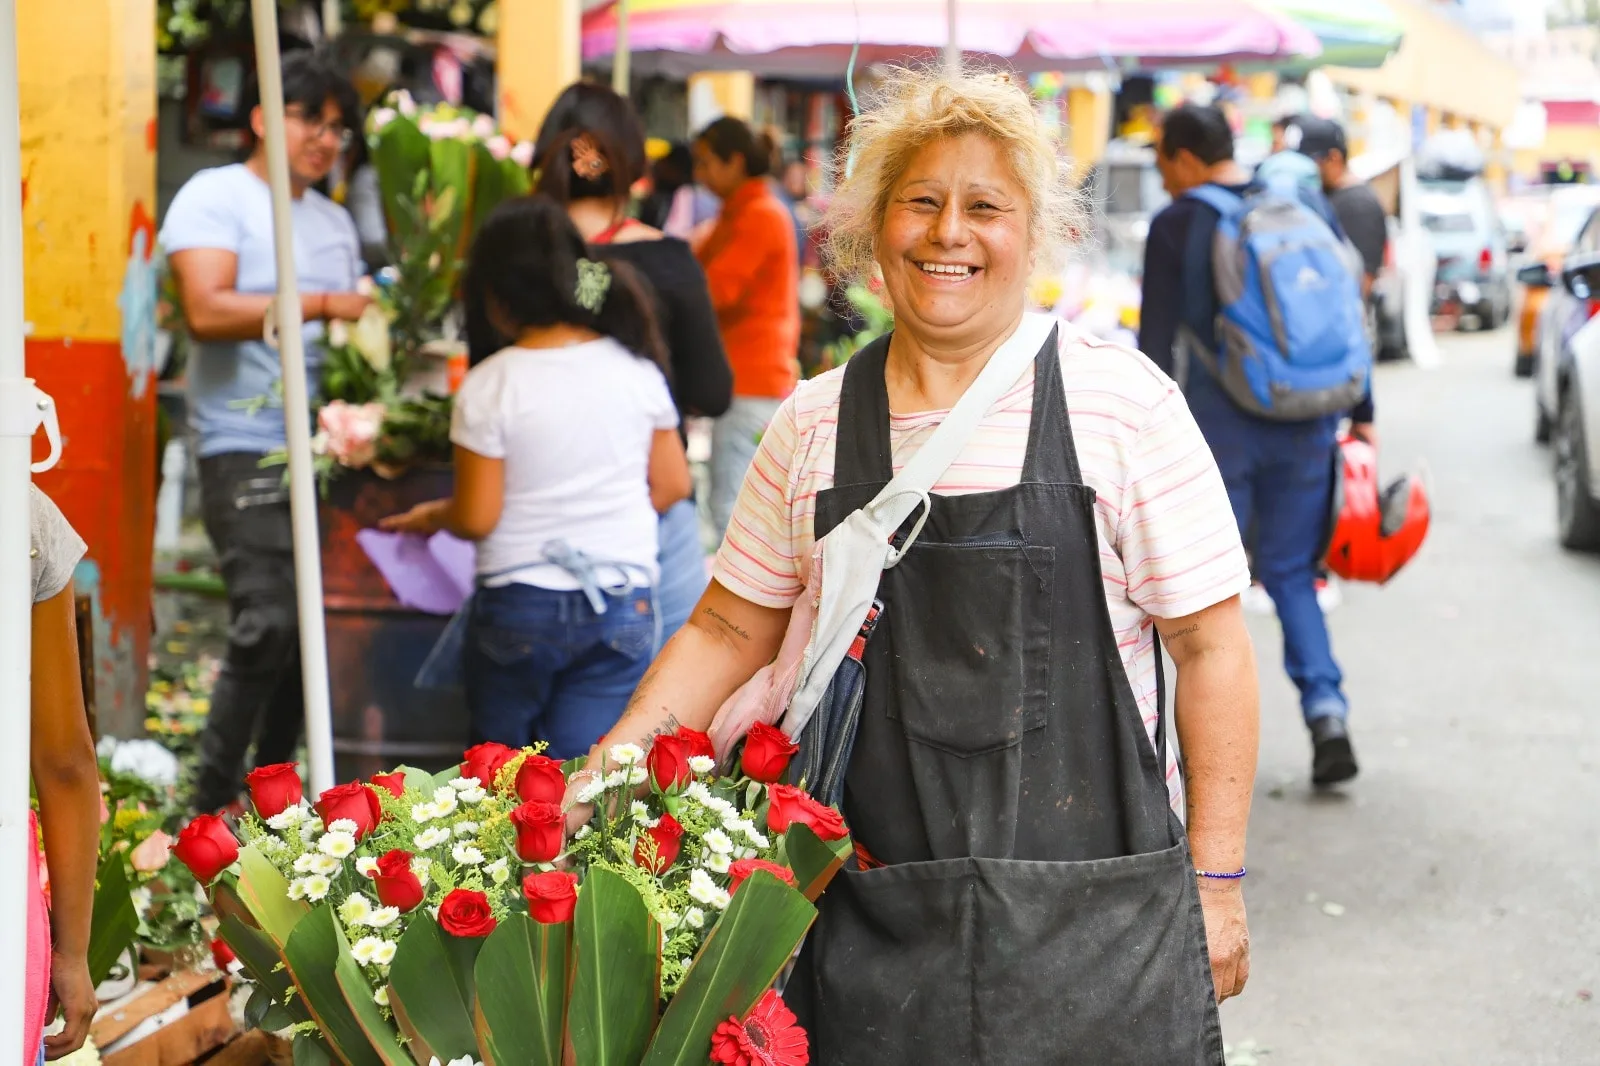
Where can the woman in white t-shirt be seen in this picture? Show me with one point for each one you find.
(566, 452)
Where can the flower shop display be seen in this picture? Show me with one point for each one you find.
(414, 918)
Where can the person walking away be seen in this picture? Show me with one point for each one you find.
(1279, 473)
(753, 268)
(589, 153)
(566, 452)
(1011, 728)
(219, 240)
(66, 779)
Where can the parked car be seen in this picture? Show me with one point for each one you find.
(1567, 388)
(1474, 271)
(1551, 235)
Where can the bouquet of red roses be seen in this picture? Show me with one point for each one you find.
(434, 919)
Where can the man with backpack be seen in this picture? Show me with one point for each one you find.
(1252, 302)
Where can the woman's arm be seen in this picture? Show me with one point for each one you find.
(669, 470)
(67, 778)
(702, 380)
(471, 513)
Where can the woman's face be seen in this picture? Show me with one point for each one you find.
(722, 176)
(954, 247)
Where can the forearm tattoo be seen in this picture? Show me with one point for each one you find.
(729, 626)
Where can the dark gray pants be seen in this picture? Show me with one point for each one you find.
(258, 696)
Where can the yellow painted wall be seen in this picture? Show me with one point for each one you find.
(1560, 142)
(537, 49)
(733, 90)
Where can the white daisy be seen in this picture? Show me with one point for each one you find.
(466, 854)
(287, 818)
(325, 865)
(669, 920)
(626, 754)
(338, 843)
(343, 825)
(583, 831)
(383, 917)
(702, 764)
(317, 887)
(365, 950)
(719, 842)
(422, 813)
(297, 888)
(465, 784)
(310, 828)
(355, 910)
(718, 863)
(302, 865)
(431, 838)
(444, 801)
(466, 829)
(701, 888)
(638, 775)
(381, 996)
(694, 917)
(748, 829)
(366, 866)
(640, 812)
(498, 871)
(699, 793)
(614, 779)
(591, 791)
(383, 955)
(473, 795)
(422, 868)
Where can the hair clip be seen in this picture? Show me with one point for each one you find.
(587, 161)
(594, 281)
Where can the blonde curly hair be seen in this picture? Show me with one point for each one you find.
(913, 107)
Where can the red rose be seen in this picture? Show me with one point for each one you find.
(355, 802)
(540, 780)
(742, 869)
(541, 830)
(222, 954)
(484, 761)
(394, 783)
(274, 789)
(699, 743)
(668, 763)
(767, 751)
(207, 847)
(552, 897)
(466, 913)
(791, 805)
(397, 886)
(667, 836)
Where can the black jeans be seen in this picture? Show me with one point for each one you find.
(258, 697)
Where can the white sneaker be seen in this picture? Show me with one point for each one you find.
(1328, 595)
(1256, 601)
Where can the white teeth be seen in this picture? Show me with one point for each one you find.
(954, 269)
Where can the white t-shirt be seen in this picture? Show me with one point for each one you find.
(575, 427)
(1168, 542)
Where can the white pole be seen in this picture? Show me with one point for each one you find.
(620, 57)
(291, 351)
(952, 42)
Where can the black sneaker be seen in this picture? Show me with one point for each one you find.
(1333, 760)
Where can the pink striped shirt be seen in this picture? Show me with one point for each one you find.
(1168, 542)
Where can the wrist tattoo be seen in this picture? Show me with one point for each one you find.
(735, 630)
(668, 726)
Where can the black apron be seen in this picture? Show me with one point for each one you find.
(1036, 902)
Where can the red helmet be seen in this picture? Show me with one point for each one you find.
(1374, 532)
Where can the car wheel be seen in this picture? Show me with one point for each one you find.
(1577, 512)
(1541, 424)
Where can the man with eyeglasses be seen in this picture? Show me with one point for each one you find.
(219, 241)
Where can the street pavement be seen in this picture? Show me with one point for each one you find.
(1442, 908)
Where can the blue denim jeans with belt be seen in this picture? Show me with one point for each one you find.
(1279, 477)
(543, 664)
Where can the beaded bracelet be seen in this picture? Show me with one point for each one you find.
(1236, 876)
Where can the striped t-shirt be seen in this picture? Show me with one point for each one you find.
(1169, 545)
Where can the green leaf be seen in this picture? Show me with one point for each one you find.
(420, 780)
(518, 181)
(309, 1051)
(114, 923)
(313, 953)
(265, 893)
(744, 954)
(264, 965)
(488, 187)
(431, 989)
(522, 975)
(381, 1033)
(813, 860)
(400, 154)
(617, 983)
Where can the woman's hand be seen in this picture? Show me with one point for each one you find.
(425, 518)
(73, 992)
(1227, 936)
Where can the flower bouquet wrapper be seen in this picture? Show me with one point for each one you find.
(422, 918)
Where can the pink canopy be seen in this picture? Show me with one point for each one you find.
(813, 38)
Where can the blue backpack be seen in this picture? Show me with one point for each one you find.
(1291, 330)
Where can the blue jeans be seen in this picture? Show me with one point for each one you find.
(683, 567)
(542, 665)
(734, 439)
(1280, 481)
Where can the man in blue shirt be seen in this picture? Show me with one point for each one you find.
(1279, 474)
(219, 241)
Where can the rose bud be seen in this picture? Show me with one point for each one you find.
(699, 743)
(222, 954)
(484, 761)
(767, 751)
(466, 913)
(396, 884)
(540, 780)
(740, 871)
(541, 830)
(668, 763)
(207, 847)
(666, 836)
(552, 897)
(356, 802)
(274, 789)
(791, 806)
(394, 784)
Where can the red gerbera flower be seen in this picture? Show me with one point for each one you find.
(768, 1036)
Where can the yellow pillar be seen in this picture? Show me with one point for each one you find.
(1088, 126)
(87, 101)
(537, 55)
(721, 92)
